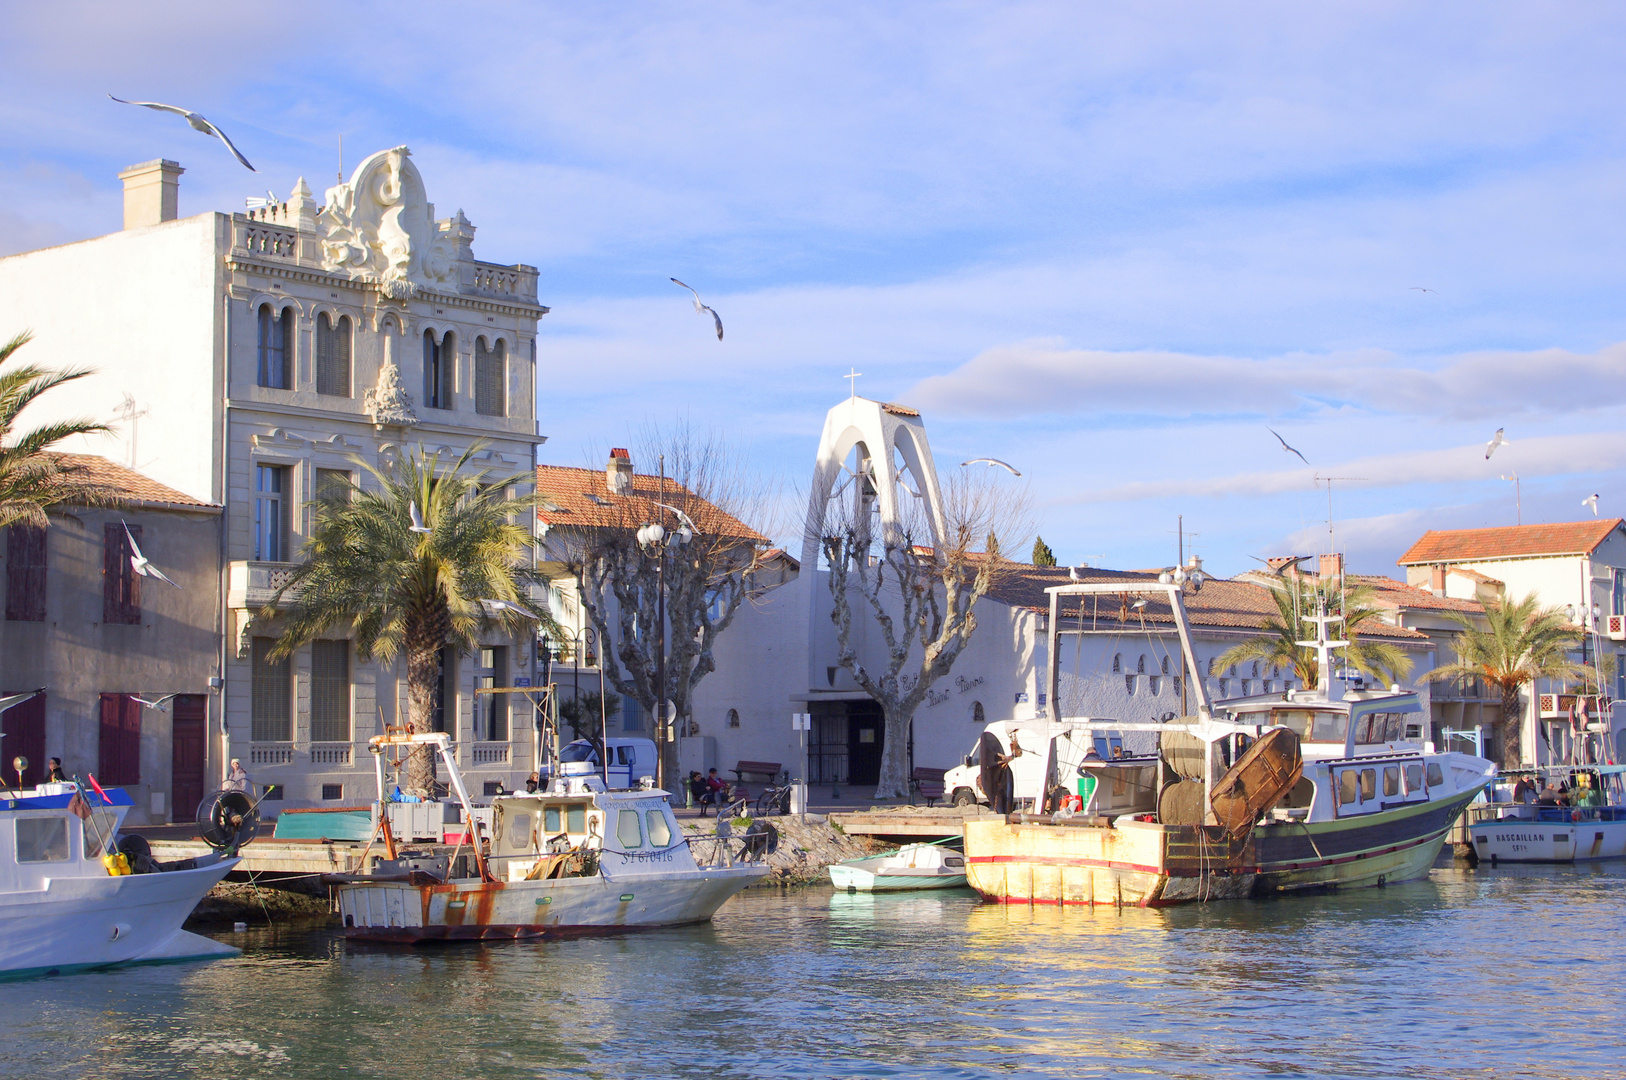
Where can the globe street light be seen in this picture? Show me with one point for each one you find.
(655, 539)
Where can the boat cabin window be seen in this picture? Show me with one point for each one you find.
(1109, 746)
(660, 833)
(519, 832)
(1348, 789)
(954, 860)
(1380, 727)
(98, 829)
(1435, 776)
(1414, 777)
(1295, 720)
(628, 831)
(578, 752)
(551, 820)
(1391, 780)
(42, 839)
(1329, 727)
(1369, 784)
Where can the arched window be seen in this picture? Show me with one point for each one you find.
(977, 716)
(1152, 684)
(333, 356)
(438, 358)
(1117, 663)
(276, 338)
(1256, 669)
(490, 378)
(1165, 665)
(1129, 685)
(733, 718)
(1140, 665)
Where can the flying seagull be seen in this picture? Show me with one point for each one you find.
(1419, 288)
(1496, 440)
(1591, 501)
(161, 704)
(1289, 564)
(140, 564)
(1289, 449)
(417, 525)
(701, 309)
(198, 124)
(990, 462)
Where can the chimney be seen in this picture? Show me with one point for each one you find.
(1437, 584)
(150, 191)
(618, 474)
(1332, 566)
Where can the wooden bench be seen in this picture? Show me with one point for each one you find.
(927, 783)
(770, 769)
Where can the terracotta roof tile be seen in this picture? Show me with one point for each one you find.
(1475, 575)
(899, 410)
(133, 487)
(1236, 604)
(1509, 542)
(579, 498)
(1400, 594)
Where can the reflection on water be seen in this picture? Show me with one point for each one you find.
(1509, 972)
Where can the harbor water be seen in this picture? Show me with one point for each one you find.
(1490, 972)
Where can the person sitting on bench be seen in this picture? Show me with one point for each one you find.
(701, 792)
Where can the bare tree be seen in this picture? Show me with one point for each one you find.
(920, 595)
(701, 570)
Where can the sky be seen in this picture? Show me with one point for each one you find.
(1114, 245)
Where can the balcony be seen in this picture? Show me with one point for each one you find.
(1474, 689)
(251, 585)
(490, 754)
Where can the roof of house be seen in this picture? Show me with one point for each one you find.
(1509, 542)
(580, 498)
(1475, 575)
(1234, 604)
(1389, 592)
(132, 488)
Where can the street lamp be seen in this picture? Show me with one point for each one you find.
(655, 539)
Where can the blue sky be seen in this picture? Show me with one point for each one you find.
(1111, 244)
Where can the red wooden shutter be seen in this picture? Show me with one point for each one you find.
(119, 755)
(121, 585)
(25, 574)
(24, 725)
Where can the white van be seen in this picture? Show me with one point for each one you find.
(1028, 745)
(630, 761)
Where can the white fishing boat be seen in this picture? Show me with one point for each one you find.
(1592, 826)
(574, 859)
(74, 896)
(913, 866)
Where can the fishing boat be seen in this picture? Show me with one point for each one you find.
(913, 866)
(573, 859)
(76, 895)
(1592, 827)
(1317, 788)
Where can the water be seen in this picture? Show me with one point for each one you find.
(1513, 972)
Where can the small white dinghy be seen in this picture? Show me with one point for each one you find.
(913, 866)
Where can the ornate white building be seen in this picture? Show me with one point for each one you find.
(258, 356)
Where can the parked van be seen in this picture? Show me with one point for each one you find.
(1027, 746)
(630, 761)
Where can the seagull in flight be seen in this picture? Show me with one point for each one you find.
(1591, 501)
(701, 309)
(1290, 564)
(990, 462)
(197, 123)
(140, 564)
(161, 704)
(1419, 288)
(1495, 441)
(416, 515)
(1289, 449)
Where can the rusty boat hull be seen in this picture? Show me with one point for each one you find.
(473, 910)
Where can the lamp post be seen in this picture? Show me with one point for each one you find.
(655, 539)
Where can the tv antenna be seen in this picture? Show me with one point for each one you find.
(1518, 499)
(127, 411)
(1332, 548)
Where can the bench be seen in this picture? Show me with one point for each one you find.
(927, 783)
(770, 769)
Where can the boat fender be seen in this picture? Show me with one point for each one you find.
(118, 864)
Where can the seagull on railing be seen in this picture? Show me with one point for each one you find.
(197, 122)
(702, 309)
(416, 515)
(990, 462)
(139, 562)
(683, 518)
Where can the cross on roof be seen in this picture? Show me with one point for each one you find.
(853, 381)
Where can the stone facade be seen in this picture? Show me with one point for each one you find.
(258, 350)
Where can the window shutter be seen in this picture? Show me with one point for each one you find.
(330, 691)
(271, 694)
(121, 586)
(333, 356)
(25, 573)
(489, 378)
(341, 357)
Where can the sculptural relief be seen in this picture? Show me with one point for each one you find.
(380, 227)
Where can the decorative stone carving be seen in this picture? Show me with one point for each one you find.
(380, 228)
(388, 403)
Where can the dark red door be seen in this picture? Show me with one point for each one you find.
(118, 760)
(188, 756)
(24, 725)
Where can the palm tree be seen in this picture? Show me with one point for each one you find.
(32, 478)
(403, 590)
(1522, 642)
(1279, 645)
